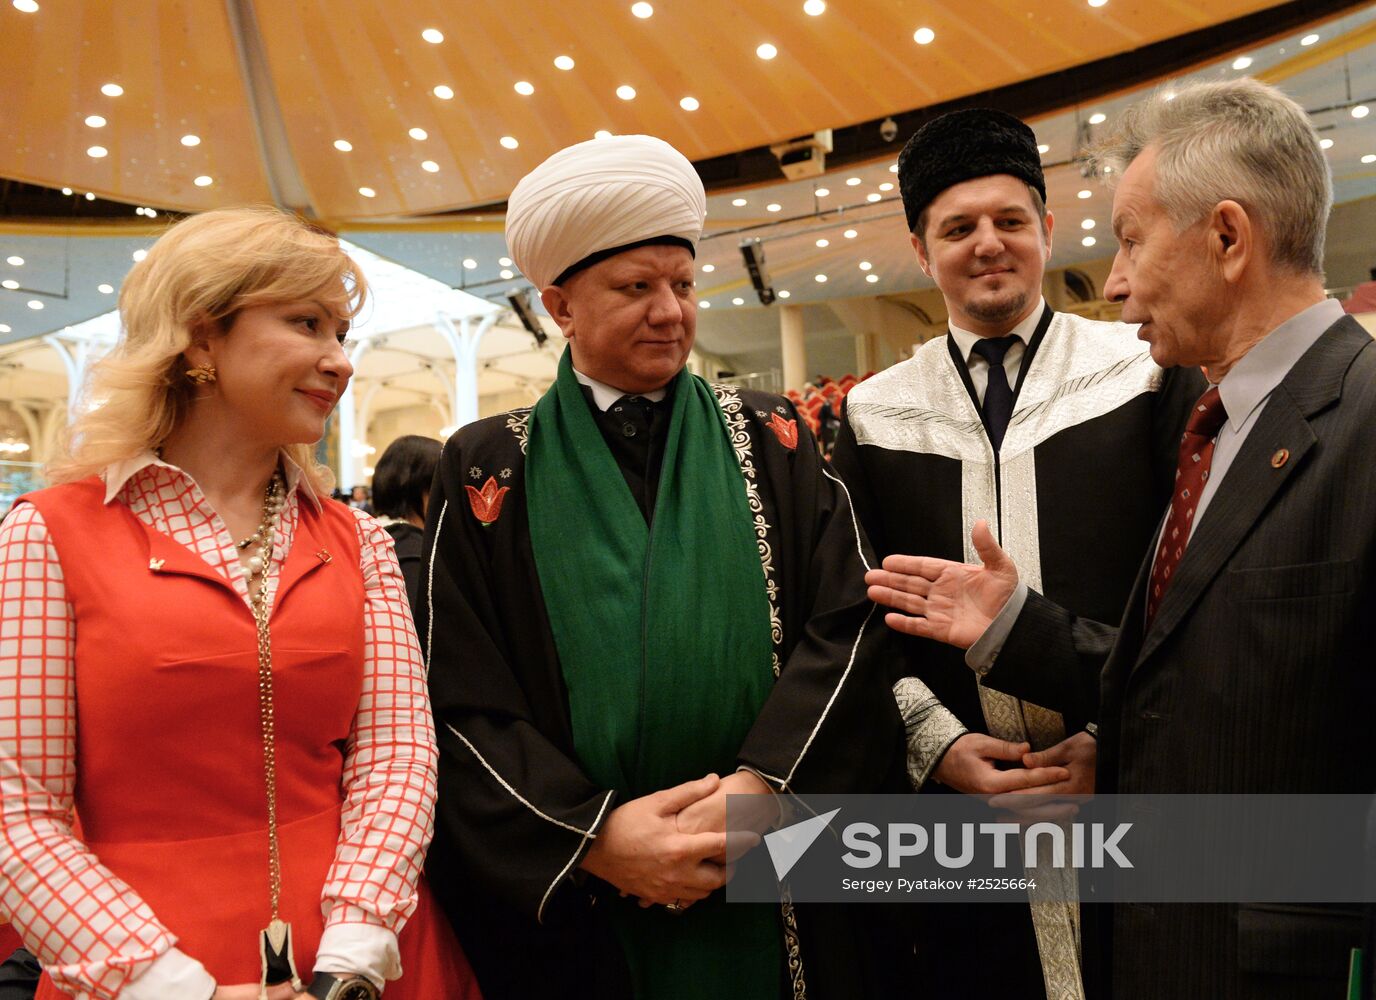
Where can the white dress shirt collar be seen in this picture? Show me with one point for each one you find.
(605, 395)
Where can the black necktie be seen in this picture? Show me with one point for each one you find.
(998, 394)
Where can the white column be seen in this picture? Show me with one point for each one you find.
(793, 346)
(464, 342)
(348, 423)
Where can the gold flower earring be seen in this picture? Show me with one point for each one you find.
(202, 374)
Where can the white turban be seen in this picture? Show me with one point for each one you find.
(600, 195)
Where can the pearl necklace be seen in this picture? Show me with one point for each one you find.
(274, 498)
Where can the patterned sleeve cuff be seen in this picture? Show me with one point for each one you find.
(173, 975)
(931, 728)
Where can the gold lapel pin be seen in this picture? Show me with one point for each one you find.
(324, 556)
(155, 564)
(1281, 456)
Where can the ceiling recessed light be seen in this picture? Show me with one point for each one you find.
(508, 142)
(1084, 193)
(343, 145)
(1369, 158)
(1242, 62)
(739, 202)
(67, 191)
(430, 166)
(924, 36)
(1043, 148)
(1097, 3)
(738, 302)
(525, 87)
(9, 283)
(138, 255)
(642, 10)
(1360, 111)
(689, 104)
(95, 121)
(871, 278)
(1088, 241)
(866, 265)
(432, 35)
(15, 261)
(1309, 39)
(105, 289)
(204, 181)
(601, 134)
(705, 304)
(563, 62)
(508, 275)
(784, 293)
(893, 168)
(96, 152)
(1325, 143)
(824, 243)
(191, 140)
(35, 304)
(112, 90)
(821, 279)
(708, 268)
(814, 7)
(766, 51)
(1098, 118)
(852, 181)
(822, 192)
(504, 261)
(419, 134)
(367, 192)
(626, 92)
(1087, 224)
(469, 263)
(850, 234)
(886, 186)
(4, 328)
(773, 206)
(874, 196)
(444, 93)
(27, 6)
(90, 196)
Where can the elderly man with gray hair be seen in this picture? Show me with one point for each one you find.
(1243, 660)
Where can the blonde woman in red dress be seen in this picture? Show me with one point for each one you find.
(213, 664)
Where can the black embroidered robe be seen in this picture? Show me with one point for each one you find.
(516, 813)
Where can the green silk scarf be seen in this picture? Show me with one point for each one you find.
(664, 640)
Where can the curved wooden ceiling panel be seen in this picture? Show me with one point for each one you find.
(362, 73)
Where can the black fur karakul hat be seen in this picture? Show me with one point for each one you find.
(961, 146)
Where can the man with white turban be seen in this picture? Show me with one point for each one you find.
(641, 594)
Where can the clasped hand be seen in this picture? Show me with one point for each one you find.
(672, 847)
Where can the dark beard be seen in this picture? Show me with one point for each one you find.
(999, 311)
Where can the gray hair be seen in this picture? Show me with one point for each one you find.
(1238, 140)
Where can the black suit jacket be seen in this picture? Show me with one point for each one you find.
(1256, 675)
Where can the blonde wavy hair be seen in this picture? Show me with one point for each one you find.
(200, 274)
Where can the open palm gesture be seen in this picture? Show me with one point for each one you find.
(948, 601)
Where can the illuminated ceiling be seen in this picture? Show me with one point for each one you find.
(268, 91)
(182, 76)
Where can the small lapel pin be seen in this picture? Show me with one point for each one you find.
(324, 556)
(1280, 458)
(155, 564)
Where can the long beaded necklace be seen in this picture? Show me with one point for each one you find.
(274, 945)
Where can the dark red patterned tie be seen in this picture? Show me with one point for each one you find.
(1191, 473)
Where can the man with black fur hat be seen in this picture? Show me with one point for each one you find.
(1061, 434)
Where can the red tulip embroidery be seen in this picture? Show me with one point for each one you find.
(785, 430)
(487, 502)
